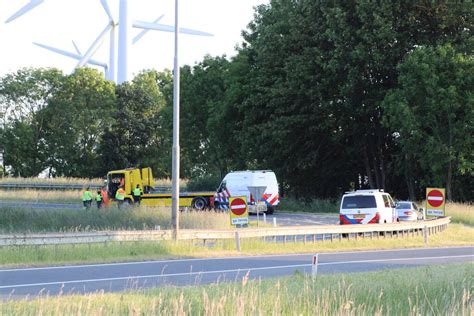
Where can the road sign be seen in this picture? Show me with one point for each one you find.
(238, 210)
(435, 201)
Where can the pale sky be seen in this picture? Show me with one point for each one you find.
(57, 22)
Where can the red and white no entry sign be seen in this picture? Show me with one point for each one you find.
(238, 206)
(435, 198)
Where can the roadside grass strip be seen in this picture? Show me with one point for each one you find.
(461, 213)
(432, 290)
(455, 235)
(24, 220)
(41, 196)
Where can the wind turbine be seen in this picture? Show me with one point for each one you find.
(124, 24)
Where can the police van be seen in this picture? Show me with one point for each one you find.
(367, 207)
(236, 183)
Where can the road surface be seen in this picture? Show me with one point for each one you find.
(18, 283)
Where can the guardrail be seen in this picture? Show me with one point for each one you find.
(277, 234)
(46, 186)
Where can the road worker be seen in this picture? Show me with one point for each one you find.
(105, 197)
(99, 199)
(120, 196)
(87, 198)
(137, 193)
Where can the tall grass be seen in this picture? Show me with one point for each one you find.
(22, 220)
(435, 290)
(30, 195)
(461, 212)
(57, 180)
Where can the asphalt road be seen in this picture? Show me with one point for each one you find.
(17, 283)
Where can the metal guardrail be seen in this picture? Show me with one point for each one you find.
(47, 186)
(301, 233)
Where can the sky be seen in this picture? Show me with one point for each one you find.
(58, 22)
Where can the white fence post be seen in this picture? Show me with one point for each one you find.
(314, 266)
(237, 240)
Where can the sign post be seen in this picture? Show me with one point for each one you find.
(435, 201)
(239, 214)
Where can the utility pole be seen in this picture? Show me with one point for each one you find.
(175, 164)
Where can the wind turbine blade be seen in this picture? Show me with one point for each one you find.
(105, 5)
(76, 48)
(95, 45)
(71, 55)
(167, 28)
(143, 32)
(30, 6)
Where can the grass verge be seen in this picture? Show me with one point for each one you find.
(433, 290)
(455, 235)
(23, 220)
(461, 213)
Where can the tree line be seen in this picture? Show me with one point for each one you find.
(331, 95)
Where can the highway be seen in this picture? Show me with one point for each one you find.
(114, 277)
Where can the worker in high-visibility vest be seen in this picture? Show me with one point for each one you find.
(120, 196)
(87, 198)
(137, 193)
(99, 199)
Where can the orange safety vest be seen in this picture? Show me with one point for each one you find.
(120, 194)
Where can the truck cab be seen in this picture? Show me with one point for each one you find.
(129, 179)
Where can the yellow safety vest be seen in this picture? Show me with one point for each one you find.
(137, 192)
(98, 197)
(86, 196)
(120, 194)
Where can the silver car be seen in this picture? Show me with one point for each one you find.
(408, 211)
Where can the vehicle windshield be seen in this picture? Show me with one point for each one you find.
(403, 206)
(359, 201)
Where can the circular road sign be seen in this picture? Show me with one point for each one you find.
(435, 198)
(238, 206)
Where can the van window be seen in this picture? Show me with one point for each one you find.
(359, 201)
(387, 200)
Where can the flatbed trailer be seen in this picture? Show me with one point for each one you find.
(129, 178)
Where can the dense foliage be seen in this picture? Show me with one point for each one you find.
(332, 96)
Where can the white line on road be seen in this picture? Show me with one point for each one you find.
(223, 271)
(225, 258)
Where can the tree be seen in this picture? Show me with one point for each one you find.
(432, 114)
(136, 136)
(23, 97)
(78, 115)
(318, 74)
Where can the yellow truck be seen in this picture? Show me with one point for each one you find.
(131, 177)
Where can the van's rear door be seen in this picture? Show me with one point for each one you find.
(357, 209)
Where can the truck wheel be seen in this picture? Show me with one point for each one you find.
(199, 203)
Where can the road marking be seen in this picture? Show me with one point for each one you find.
(222, 271)
(224, 258)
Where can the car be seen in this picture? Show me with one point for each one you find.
(367, 207)
(408, 211)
